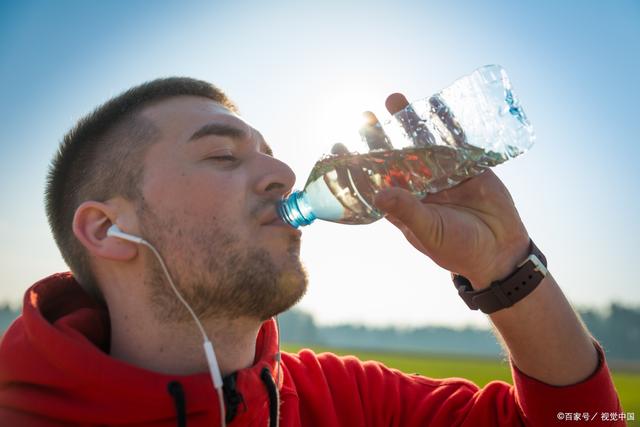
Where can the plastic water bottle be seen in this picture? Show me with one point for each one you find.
(427, 146)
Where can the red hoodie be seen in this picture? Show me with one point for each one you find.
(55, 370)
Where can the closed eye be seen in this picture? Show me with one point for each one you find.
(227, 158)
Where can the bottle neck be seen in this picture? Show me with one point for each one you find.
(295, 210)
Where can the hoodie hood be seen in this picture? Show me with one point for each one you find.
(54, 360)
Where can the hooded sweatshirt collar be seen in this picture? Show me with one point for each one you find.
(54, 360)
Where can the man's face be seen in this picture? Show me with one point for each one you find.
(209, 191)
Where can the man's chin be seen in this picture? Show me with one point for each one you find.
(292, 287)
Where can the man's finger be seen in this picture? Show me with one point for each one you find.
(396, 102)
(421, 219)
(339, 149)
(373, 134)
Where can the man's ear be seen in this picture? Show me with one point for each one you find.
(90, 224)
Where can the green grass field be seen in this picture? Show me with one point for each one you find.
(478, 370)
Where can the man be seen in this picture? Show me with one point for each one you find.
(172, 162)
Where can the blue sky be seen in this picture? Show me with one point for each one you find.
(301, 72)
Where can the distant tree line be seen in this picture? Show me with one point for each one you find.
(7, 314)
(299, 327)
(617, 329)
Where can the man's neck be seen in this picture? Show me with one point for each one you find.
(139, 338)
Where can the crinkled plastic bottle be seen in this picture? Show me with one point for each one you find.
(428, 146)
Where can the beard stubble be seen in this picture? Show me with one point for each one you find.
(218, 276)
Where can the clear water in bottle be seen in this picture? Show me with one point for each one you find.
(438, 142)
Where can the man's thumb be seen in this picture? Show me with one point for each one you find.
(404, 206)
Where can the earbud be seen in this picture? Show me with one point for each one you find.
(114, 231)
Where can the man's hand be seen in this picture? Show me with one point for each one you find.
(472, 229)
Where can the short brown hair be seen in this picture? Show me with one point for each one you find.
(100, 158)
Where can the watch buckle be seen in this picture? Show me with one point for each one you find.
(539, 266)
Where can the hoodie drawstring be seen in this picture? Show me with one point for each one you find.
(274, 398)
(232, 398)
(176, 391)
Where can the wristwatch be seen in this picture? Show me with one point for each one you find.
(504, 293)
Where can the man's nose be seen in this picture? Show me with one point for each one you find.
(276, 179)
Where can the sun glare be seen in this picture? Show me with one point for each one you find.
(339, 117)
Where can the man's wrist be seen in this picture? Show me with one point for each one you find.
(504, 293)
(504, 266)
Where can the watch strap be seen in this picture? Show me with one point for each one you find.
(504, 293)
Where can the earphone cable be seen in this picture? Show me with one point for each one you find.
(212, 361)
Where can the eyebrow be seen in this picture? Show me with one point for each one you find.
(218, 129)
(234, 132)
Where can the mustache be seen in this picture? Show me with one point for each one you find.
(262, 206)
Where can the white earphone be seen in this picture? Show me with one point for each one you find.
(212, 360)
(114, 231)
